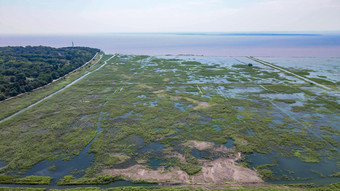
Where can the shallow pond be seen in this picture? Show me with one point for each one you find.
(154, 146)
(75, 166)
(295, 169)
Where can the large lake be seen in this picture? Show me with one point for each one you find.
(208, 44)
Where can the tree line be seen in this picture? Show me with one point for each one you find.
(23, 69)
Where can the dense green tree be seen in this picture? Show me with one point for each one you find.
(23, 69)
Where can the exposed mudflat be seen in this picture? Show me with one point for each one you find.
(220, 170)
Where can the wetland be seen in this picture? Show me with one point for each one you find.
(188, 120)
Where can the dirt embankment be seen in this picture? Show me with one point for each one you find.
(219, 171)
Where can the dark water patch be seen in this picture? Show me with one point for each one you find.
(106, 102)
(179, 130)
(75, 166)
(93, 95)
(239, 116)
(250, 132)
(151, 103)
(136, 140)
(173, 135)
(292, 170)
(217, 127)
(83, 117)
(2, 164)
(155, 163)
(154, 146)
(257, 159)
(168, 88)
(240, 108)
(179, 106)
(196, 153)
(135, 103)
(229, 144)
(203, 154)
(122, 117)
(316, 173)
(277, 118)
(204, 119)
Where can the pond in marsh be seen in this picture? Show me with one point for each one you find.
(2, 164)
(155, 163)
(229, 144)
(60, 168)
(154, 146)
(288, 170)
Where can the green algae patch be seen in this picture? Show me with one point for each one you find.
(308, 155)
(32, 180)
(102, 179)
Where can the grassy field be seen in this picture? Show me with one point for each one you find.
(147, 109)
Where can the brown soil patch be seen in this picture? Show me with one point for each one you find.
(200, 145)
(166, 79)
(176, 155)
(141, 161)
(145, 86)
(126, 76)
(224, 170)
(203, 105)
(200, 105)
(120, 156)
(158, 91)
(219, 171)
(140, 172)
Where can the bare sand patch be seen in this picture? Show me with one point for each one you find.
(200, 105)
(120, 156)
(140, 172)
(221, 170)
(224, 170)
(218, 171)
(166, 79)
(141, 161)
(200, 145)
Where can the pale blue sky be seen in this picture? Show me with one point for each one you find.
(103, 16)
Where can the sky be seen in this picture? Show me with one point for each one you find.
(133, 16)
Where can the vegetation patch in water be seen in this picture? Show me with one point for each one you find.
(103, 179)
(32, 180)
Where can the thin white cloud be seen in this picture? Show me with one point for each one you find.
(188, 16)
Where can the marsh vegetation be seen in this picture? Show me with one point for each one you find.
(167, 116)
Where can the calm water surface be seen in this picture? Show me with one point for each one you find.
(318, 45)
